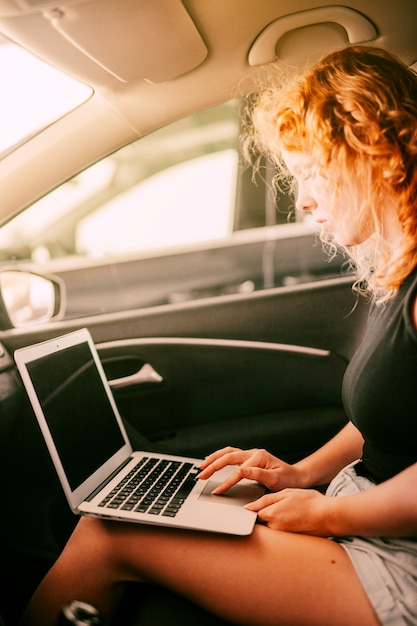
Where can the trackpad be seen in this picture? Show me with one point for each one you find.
(238, 495)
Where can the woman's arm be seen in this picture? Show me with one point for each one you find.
(316, 469)
(322, 466)
(387, 510)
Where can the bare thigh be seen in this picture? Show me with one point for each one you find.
(269, 578)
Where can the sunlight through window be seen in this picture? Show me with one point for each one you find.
(33, 94)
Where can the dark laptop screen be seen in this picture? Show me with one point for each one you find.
(77, 409)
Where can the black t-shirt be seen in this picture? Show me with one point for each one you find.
(380, 386)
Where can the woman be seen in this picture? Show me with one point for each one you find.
(346, 132)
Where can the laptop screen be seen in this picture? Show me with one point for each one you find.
(77, 409)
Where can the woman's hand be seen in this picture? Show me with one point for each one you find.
(296, 511)
(257, 465)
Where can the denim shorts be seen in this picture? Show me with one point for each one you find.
(386, 567)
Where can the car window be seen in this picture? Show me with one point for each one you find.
(25, 78)
(174, 216)
(174, 207)
(177, 186)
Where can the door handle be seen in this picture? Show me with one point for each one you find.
(145, 375)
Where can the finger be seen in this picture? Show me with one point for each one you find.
(214, 456)
(250, 473)
(230, 458)
(263, 502)
(268, 517)
(233, 479)
(258, 474)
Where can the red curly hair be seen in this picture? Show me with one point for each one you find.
(355, 113)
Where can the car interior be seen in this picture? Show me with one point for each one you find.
(127, 208)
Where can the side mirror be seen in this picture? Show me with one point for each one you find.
(29, 298)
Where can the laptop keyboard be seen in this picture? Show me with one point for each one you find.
(154, 486)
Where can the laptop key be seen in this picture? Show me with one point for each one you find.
(181, 495)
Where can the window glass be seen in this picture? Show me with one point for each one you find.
(171, 208)
(173, 188)
(28, 79)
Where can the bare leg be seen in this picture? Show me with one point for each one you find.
(268, 578)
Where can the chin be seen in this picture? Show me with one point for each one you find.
(347, 242)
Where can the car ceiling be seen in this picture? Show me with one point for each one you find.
(153, 61)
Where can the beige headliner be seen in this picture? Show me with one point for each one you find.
(152, 61)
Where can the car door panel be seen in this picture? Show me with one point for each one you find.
(211, 393)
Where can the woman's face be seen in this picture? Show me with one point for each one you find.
(332, 212)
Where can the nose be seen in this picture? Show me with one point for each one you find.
(305, 200)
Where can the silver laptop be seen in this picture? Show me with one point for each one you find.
(75, 408)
